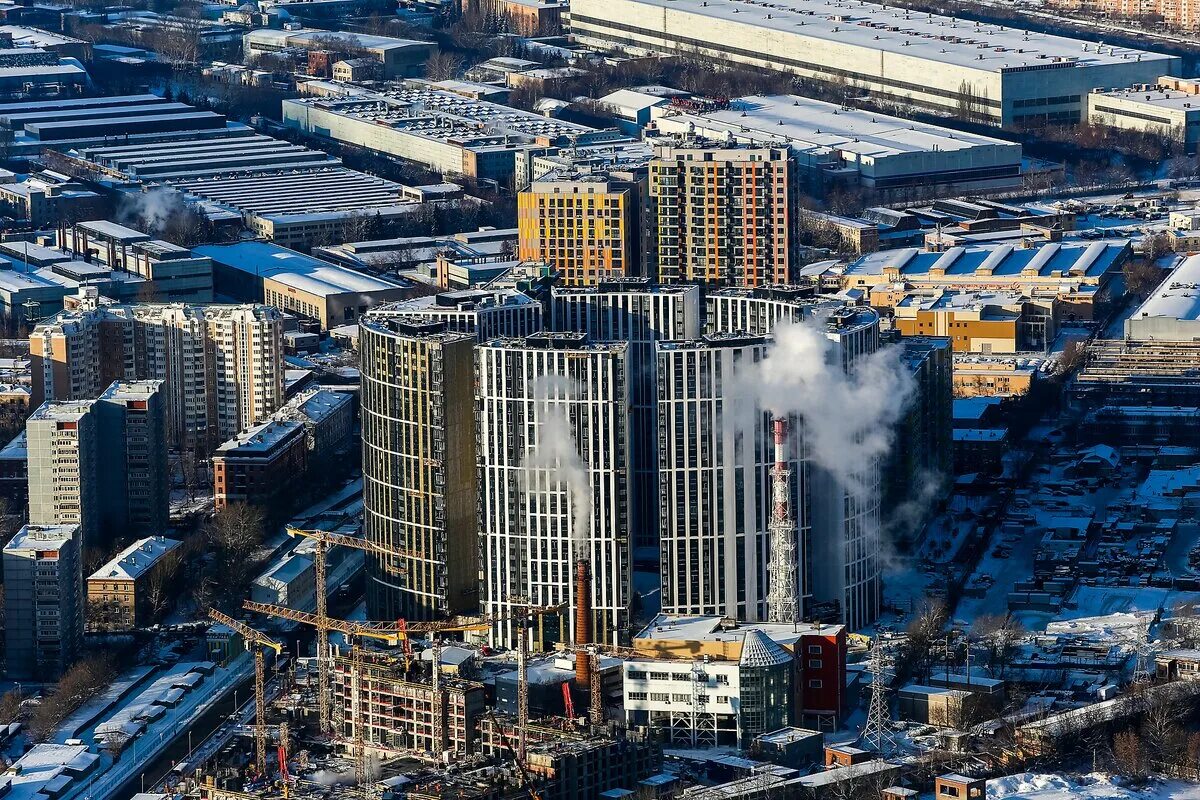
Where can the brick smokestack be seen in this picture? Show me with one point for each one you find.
(583, 621)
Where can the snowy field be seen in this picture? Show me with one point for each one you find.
(1031, 786)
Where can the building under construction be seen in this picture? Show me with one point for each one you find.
(400, 711)
(573, 764)
(1138, 373)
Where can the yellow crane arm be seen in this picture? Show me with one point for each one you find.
(386, 631)
(245, 631)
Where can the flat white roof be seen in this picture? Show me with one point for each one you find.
(1154, 97)
(42, 537)
(1178, 297)
(961, 42)
(709, 628)
(807, 124)
(297, 270)
(132, 562)
(36, 37)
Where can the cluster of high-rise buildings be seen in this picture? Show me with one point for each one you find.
(692, 210)
(222, 365)
(504, 440)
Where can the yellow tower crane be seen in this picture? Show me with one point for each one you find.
(323, 540)
(388, 632)
(257, 642)
(524, 615)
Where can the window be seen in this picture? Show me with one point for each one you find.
(637, 695)
(815, 663)
(659, 676)
(816, 684)
(660, 697)
(814, 649)
(636, 675)
(947, 790)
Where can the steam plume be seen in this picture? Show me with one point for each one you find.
(556, 453)
(848, 415)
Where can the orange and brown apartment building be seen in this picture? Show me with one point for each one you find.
(720, 213)
(1181, 14)
(585, 226)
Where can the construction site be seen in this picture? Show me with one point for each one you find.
(427, 710)
(420, 707)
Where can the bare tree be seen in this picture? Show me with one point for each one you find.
(443, 66)
(79, 684)
(999, 635)
(161, 585)
(237, 532)
(1129, 756)
(1142, 275)
(925, 627)
(10, 706)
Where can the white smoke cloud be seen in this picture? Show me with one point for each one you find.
(151, 210)
(848, 415)
(555, 455)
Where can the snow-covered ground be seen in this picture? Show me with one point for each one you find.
(1098, 786)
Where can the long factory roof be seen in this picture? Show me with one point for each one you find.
(301, 272)
(873, 26)
(183, 160)
(1178, 297)
(445, 114)
(1005, 261)
(812, 124)
(309, 192)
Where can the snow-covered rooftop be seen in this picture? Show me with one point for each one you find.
(133, 562)
(1178, 297)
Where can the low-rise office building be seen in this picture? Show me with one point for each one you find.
(260, 466)
(708, 681)
(174, 272)
(304, 285)
(400, 58)
(404, 253)
(46, 199)
(1168, 108)
(978, 322)
(128, 592)
(994, 376)
(328, 419)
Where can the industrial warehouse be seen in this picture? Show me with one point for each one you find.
(987, 73)
(443, 131)
(883, 153)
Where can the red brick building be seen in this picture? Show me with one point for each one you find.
(259, 467)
